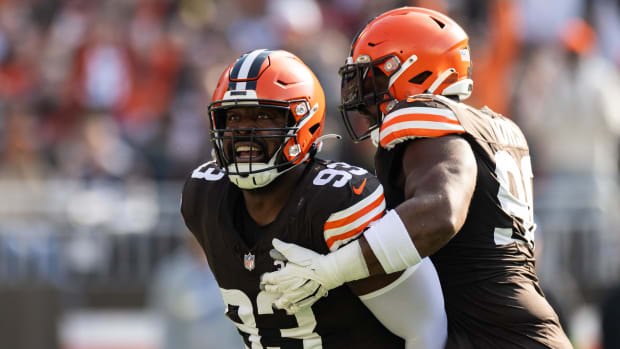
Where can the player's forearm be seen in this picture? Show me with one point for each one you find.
(431, 221)
(388, 245)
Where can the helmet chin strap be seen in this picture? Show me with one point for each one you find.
(254, 180)
(257, 179)
(260, 178)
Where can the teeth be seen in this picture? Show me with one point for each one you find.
(247, 148)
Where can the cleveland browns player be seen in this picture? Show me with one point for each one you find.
(457, 181)
(267, 119)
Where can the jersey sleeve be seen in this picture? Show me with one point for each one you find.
(418, 116)
(350, 208)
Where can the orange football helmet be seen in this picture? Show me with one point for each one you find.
(269, 79)
(403, 52)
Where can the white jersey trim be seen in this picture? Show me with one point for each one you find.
(421, 110)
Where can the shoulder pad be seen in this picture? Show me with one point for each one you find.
(353, 197)
(418, 116)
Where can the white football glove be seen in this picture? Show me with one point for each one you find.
(307, 276)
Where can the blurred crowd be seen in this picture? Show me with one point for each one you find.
(103, 114)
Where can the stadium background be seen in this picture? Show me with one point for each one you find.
(102, 114)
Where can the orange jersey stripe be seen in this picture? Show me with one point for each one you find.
(351, 218)
(351, 233)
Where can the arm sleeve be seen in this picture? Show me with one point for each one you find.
(421, 317)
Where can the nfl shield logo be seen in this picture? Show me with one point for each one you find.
(248, 261)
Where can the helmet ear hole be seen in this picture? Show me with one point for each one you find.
(313, 128)
(420, 78)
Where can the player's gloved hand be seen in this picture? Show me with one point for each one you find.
(309, 275)
(298, 297)
(294, 292)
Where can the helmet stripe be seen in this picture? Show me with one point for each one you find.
(251, 85)
(235, 70)
(239, 70)
(255, 69)
(247, 67)
(247, 64)
(258, 62)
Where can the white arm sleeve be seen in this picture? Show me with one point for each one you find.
(412, 307)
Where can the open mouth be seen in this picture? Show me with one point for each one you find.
(247, 152)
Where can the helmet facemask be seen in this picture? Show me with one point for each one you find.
(365, 96)
(245, 154)
(266, 80)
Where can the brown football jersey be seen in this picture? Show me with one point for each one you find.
(332, 204)
(492, 294)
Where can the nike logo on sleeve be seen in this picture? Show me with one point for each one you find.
(359, 189)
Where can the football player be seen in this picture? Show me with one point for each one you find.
(457, 181)
(267, 119)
